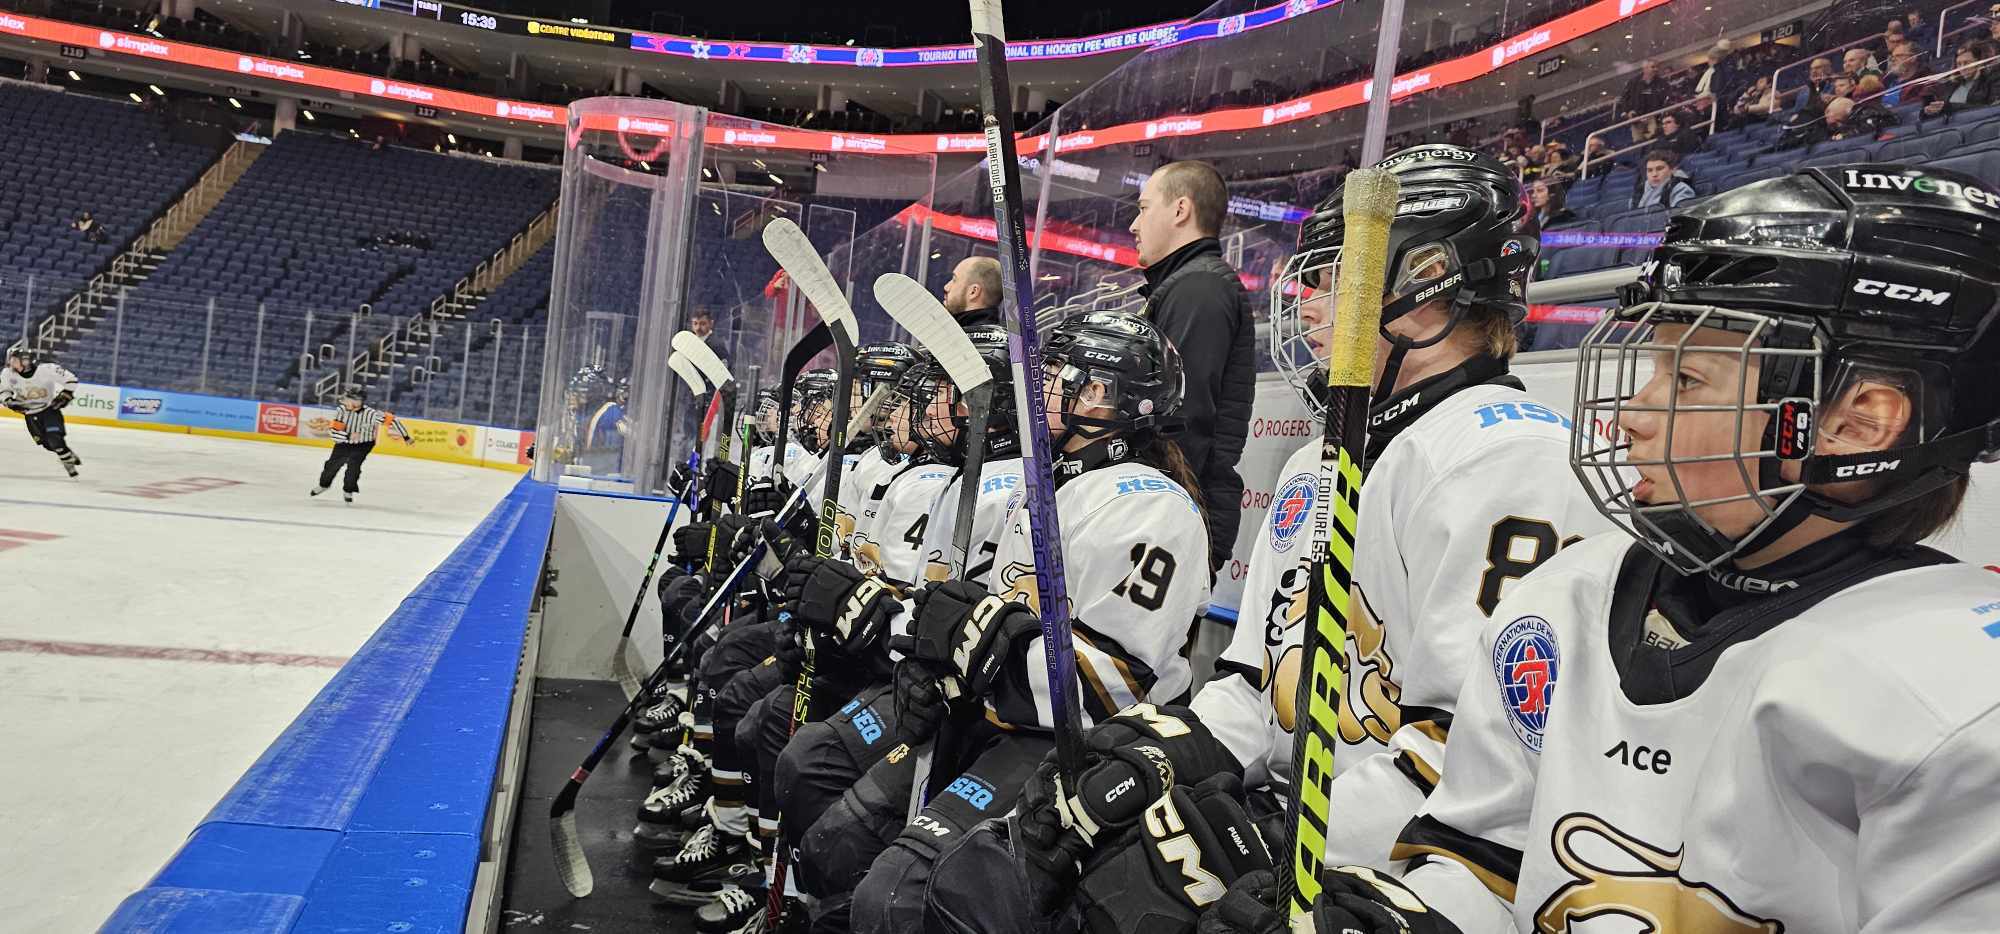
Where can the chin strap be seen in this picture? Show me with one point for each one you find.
(1102, 452)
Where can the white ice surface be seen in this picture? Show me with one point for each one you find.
(108, 761)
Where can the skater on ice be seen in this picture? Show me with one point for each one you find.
(39, 391)
(354, 428)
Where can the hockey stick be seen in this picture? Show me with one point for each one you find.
(621, 659)
(1003, 176)
(572, 865)
(1369, 207)
(926, 319)
(789, 246)
(811, 345)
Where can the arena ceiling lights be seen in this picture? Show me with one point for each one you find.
(1471, 67)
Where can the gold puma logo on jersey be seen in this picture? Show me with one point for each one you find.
(1656, 895)
(1378, 690)
(867, 554)
(1017, 582)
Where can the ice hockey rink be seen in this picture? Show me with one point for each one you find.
(165, 616)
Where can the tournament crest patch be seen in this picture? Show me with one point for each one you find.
(1290, 509)
(1526, 663)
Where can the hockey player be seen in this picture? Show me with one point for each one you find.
(764, 440)
(1776, 710)
(840, 818)
(1439, 536)
(355, 425)
(39, 391)
(1137, 553)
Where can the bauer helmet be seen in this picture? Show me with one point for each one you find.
(1813, 282)
(1136, 364)
(1455, 239)
(813, 397)
(942, 423)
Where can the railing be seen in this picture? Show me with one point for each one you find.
(1944, 18)
(1681, 107)
(227, 346)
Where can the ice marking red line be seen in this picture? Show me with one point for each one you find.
(168, 653)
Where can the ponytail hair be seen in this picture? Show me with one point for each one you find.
(1163, 454)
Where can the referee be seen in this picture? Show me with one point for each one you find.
(354, 429)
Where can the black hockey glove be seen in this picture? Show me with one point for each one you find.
(849, 610)
(691, 544)
(736, 536)
(1352, 900)
(1142, 743)
(678, 480)
(764, 498)
(963, 630)
(718, 486)
(1155, 876)
(62, 399)
(921, 703)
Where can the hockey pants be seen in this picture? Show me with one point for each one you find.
(47, 429)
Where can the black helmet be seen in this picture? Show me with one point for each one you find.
(20, 350)
(354, 392)
(1886, 271)
(764, 417)
(1456, 238)
(1138, 366)
(933, 386)
(880, 364)
(814, 388)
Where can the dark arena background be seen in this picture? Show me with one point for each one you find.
(237, 707)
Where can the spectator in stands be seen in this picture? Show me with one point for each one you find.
(1547, 201)
(1819, 87)
(1904, 66)
(93, 232)
(702, 324)
(1755, 104)
(1198, 302)
(1559, 162)
(1975, 84)
(1837, 119)
(1645, 93)
(1664, 185)
(1857, 62)
(1723, 76)
(1869, 117)
(1678, 135)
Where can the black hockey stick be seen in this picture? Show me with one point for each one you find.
(1369, 208)
(932, 326)
(621, 659)
(1003, 176)
(815, 342)
(789, 246)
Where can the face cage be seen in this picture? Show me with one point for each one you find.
(1069, 383)
(943, 436)
(815, 416)
(1304, 365)
(1608, 378)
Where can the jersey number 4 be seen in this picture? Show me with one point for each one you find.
(1151, 568)
(1516, 547)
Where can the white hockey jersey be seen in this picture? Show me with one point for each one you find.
(863, 480)
(1136, 554)
(998, 481)
(1461, 503)
(1837, 772)
(795, 455)
(35, 393)
(889, 538)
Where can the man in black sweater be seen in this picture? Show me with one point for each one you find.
(973, 294)
(1197, 300)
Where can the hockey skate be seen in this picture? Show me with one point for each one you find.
(315, 491)
(661, 714)
(347, 496)
(70, 468)
(675, 806)
(709, 860)
(739, 910)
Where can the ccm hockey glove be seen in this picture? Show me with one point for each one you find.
(849, 610)
(964, 630)
(1158, 873)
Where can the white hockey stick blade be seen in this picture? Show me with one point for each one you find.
(921, 314)
(789, 246)
(700, 354)
(986, 19)
(571, 866)
(686, 368)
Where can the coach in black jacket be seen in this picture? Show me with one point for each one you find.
(1198, 301)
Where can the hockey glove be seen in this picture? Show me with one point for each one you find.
(1156, 875)
(921, 703)
(691, 544)
(679, 478)
(718, 486)
(850, 610)
(764, 498)
(966, 631)
(1352, 900)
(1143, 744)
(62, 399)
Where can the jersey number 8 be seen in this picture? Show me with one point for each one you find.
(1502, 562)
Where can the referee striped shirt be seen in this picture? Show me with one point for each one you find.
(361, 427)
